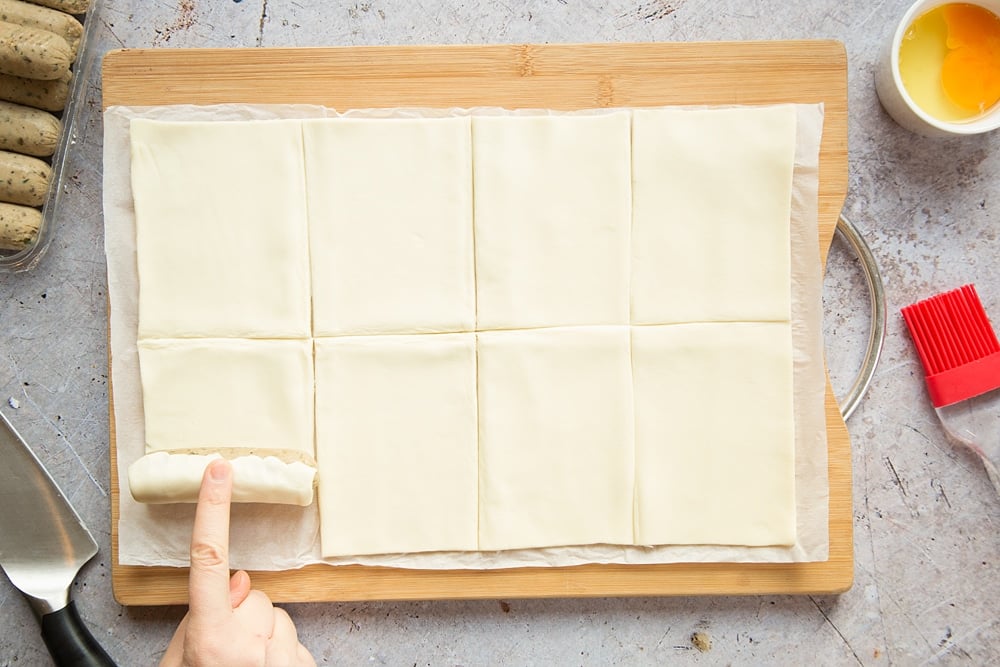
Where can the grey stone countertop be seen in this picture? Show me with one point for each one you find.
(926, 521)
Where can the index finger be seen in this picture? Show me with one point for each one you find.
(208, 585)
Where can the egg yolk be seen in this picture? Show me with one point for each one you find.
(970, 73)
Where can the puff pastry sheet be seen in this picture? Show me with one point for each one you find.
(714, 426)
(390, 211)
(220, 211)
(396, 436)
(518, 331)
(555, 428)
(250, 400)
(552, 220)
(712, 198)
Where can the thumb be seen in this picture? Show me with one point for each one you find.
(239, 588)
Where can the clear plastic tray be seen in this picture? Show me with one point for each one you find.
(87, 55)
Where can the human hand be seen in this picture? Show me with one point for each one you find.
(227, 623)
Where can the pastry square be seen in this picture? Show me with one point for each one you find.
(221, 240)
(390, 214)
(711, 207)
(552, 219)
(714, 434)
(396, 443)
(555, 437)
(211, 394)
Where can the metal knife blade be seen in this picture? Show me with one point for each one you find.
(43, 545)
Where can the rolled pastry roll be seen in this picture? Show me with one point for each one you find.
(172, 477)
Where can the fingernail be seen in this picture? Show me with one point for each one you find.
(236, 579)
(218, 470)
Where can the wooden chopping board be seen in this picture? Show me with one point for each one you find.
(561, 77)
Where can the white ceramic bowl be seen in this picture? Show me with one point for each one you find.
(898, 103)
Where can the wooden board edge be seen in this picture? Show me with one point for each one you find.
(332, 68)
(468, 58)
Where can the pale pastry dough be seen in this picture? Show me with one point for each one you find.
(396, 443)
(165, 477)
(219, 393)
(557, 423)
(390, 211)
(714, 434)
(555, 437)
(711, 214)
(552, 219)
(221, 239)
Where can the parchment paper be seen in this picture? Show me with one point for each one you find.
(281, 537)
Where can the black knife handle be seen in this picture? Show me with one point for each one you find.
(70, 642)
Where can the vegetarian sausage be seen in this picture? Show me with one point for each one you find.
(43, 18)
(33, 53)
(19, 226)
(23, 179)
(68, 6)
(27, 130)
(48, 95)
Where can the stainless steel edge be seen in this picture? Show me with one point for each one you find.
(876, 298)
(43, 542)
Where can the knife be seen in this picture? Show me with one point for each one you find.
(43, 545)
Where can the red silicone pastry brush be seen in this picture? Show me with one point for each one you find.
(961, 358)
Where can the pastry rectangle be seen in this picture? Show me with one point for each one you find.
(390, 222)
(254, 396)
(552, 219)
(715, 449)
(711, 198)
(555, 437)
(396, 443)
(221, 240)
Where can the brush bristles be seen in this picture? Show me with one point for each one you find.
(951, 330)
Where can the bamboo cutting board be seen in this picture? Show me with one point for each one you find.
(560, 77)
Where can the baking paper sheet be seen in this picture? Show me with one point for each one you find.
(280, 537)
